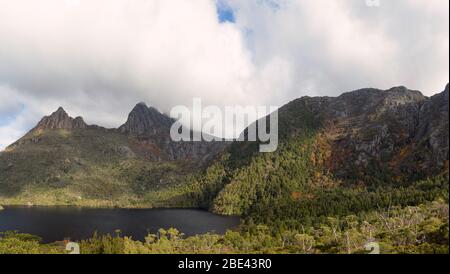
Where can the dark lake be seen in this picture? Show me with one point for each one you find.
(58, 223)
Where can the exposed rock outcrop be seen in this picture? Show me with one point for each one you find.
(146, 121)
(398, 130)
(61, 120)
(149, 135)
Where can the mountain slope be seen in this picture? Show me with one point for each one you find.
(65, 161)
(148, 132)
(345, 155)
(61, 120)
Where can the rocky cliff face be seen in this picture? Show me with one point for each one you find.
(64, 161)
(146, 121)
(149, 134)
(61, 120)
(56, 121)
(433, 128)
(396, 131)
(396, 135)
(147, 131)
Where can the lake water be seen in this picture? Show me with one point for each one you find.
(58, 223)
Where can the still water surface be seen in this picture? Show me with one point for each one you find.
(58, 223)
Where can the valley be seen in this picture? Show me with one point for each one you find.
(369, 164)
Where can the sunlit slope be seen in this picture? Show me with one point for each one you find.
(63, 161)
(363, 150)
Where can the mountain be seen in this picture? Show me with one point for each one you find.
(146, 121)
(61, 120)
(62, 160)
(337, 155)
(148, 132)
(398, 131)
(345, 155)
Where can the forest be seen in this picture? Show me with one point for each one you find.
(313, 195)
(397, 230)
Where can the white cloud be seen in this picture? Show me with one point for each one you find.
(15, 119)
(337, 46)
(97, 58)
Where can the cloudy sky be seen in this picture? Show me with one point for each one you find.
(98, 58)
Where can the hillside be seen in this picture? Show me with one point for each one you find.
(369, 165)
(64, 161)
(340, 156)
(360, 146)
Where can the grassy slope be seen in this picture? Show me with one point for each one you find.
(88, 168)
(292, 190)
(84, 167)
(295, 186)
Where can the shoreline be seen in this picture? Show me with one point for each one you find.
(5, 206)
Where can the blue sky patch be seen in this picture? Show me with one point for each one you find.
(7, 118)
(273, 4)
(225, 12)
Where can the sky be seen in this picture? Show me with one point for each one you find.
(98, 58)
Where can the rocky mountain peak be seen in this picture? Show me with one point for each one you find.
(61, 110)
(144, 120)
(61, 120)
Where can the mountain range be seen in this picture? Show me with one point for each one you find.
(354, 144)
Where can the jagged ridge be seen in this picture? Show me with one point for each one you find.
(398, 133)
(144, 120)
(61, 120)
